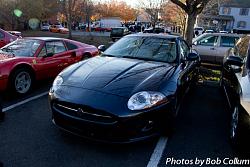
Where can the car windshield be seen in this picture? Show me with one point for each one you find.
(22, 47)
(146, 48)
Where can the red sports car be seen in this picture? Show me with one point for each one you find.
(6, 37)
(28, 59)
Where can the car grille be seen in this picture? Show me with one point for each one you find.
(84, 112)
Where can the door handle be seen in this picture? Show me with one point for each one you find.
(212, 48)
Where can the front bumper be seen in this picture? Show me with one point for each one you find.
(3, 84)
(102, 125)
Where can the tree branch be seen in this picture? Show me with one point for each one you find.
(182, 5)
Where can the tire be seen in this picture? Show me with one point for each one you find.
(234, 126)
(21, 81)
(113, 39)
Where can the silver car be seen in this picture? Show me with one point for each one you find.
(213, 46)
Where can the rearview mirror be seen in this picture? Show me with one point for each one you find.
(102, 48)
(192, 56)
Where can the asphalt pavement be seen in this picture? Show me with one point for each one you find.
(28, 138)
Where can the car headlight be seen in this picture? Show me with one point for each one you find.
(58, 81)
(143, 100)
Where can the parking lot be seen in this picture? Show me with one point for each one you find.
(28, 137)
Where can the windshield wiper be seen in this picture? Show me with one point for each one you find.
(106, 55)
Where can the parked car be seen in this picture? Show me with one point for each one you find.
(155, 30)
(58, 29)
(209, 31)
(236, 84)
(119, 32)
(6, 37)
(16, 33)
(28, 59)
(131, 92)
(212, 47)
(198, 31)
(223, 31)
(45, 27)
(82, 26)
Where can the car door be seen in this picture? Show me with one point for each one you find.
(52, 59)
(225, 43)
(187, 67)
(233, 80)
(207, 47)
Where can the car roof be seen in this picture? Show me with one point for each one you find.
(224, 34)
(44, 38)
(160, 35)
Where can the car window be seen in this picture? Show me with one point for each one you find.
(55, 47)
(22, 47)
(208, 41)
(42, 52)
(227, 41)
(70, 46)
(184, 49)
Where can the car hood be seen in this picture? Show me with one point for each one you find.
(118, 76)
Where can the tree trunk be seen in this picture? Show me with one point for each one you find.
(190, 28)
(69, 19)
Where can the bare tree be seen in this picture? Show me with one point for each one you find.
(192, 8)
(88, 8)
(153, 8)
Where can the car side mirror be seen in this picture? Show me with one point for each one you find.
(102, 48)
(235, 62)
(192, 57)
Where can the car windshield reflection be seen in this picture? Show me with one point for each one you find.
(22, 47)
(145, 48)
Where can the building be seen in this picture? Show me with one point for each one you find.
(231, 16)
(240, 15)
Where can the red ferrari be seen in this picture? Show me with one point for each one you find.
(6, 37)
(29, 59)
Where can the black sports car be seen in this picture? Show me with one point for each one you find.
(128, 93)
(236, 84)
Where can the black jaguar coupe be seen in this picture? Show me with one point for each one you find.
(129, 93)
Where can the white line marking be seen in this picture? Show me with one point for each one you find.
(158, 151)
(25, 101)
